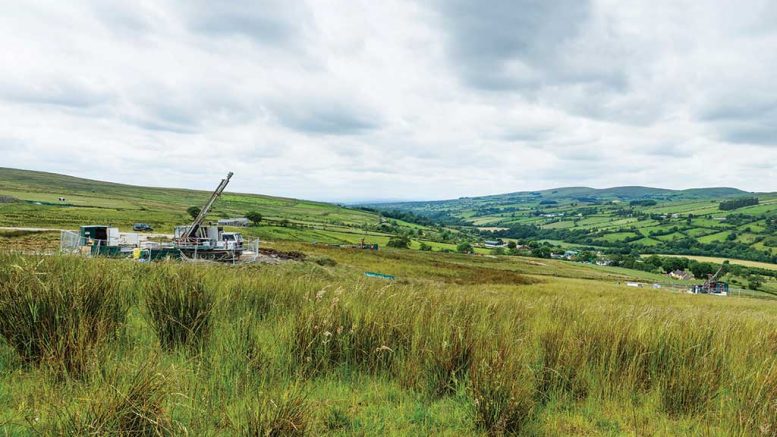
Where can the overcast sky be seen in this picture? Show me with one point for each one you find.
(357, 100)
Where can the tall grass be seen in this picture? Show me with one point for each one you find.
(134, 407)
(329, 333)
(291, 350)
(442, 348)
(691, 366)
(59, 312)
(282, 414)
(179, 303)
(503, 390)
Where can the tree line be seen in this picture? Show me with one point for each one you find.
(728, 205)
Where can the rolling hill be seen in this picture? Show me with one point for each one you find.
(620, 219)
(30, 199)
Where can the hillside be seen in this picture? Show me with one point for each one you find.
(30, 199)
(650, 220)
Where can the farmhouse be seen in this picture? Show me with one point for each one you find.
(681, 275)
(494, 243)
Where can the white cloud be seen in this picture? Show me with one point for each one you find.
(397, 99)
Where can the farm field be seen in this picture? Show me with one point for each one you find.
(742, 262)
(455, 345)
(687, 222)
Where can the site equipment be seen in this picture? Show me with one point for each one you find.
(193, 228)
(198, 241)
(712, 285)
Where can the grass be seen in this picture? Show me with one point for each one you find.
(455, 345)
(60, 314)
(179, 304)
(95, 202)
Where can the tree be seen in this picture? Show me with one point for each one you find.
(464, 248)
(399, 242)
(511, 244)
(702, 269)
(255, 217)
(193, 211)
(425, 247)
(655, 261)
(754, 282)
(541, 252)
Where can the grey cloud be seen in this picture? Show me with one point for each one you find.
(186, 109)
(762, 132)
(322, 116)
(527, 134)
(667, 150)
(744, 120)
(263, 21)
(128, 19)
(54, 91)
(505, 44)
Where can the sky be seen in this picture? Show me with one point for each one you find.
(392, 100)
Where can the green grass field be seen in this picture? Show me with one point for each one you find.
(456, 345)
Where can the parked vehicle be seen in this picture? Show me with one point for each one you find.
(142, 227)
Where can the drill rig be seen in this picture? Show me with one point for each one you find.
(712, 285)
(209, 242)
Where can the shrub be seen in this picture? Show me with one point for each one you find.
(193, 211)
(464, 248)
(179, 306)
(325, 261)
(399, 242)
(255, 217)
(60, 311)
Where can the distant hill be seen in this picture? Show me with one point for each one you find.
(620, 219)
(626, 193)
